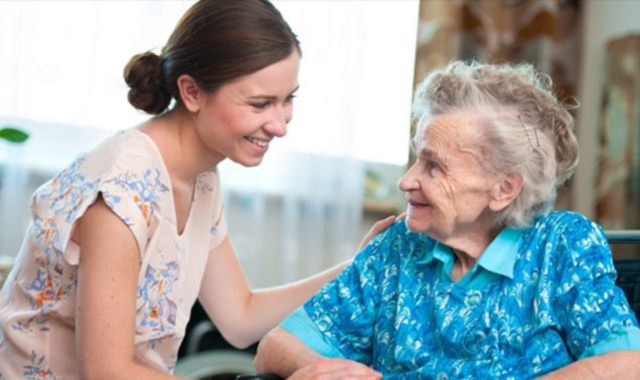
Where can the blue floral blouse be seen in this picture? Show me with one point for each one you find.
(536, 300)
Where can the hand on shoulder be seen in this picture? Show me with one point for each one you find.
(378, 227)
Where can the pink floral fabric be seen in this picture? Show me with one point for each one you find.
(38, 300)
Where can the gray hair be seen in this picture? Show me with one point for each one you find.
(526, 130)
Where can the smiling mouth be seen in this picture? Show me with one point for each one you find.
(260, 143)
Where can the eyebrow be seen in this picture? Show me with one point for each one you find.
(271, 97)
(430, 154)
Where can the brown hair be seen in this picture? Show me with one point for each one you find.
(214, 42)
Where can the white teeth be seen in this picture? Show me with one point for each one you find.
(260, 143)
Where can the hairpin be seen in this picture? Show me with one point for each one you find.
(527, 133)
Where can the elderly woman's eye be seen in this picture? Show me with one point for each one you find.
(432, 165)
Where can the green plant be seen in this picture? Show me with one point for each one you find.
(13, 134)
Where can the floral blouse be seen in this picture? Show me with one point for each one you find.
(536, 300)
(38, 300)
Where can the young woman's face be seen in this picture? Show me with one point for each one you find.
(242, 117)
(447, 190)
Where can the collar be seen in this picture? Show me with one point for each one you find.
(499, 257)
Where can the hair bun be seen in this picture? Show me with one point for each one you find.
(144, 75)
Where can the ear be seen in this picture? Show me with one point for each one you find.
(190, 93)
(505, 191)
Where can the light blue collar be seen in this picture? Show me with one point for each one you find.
(499, 257)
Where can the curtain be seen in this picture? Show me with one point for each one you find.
(295, 215)
(542, 32)
(618, 182)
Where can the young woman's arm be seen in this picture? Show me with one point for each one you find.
(107, 289)
(243, 316)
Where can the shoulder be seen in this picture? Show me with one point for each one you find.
(122, 166)
(397, 243)
(561, 219)
(567, 225)
(398, 236)
(128, 158)
(128, 148)
(125, 149)
(569, 239)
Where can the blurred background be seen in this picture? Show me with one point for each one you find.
(320, 188)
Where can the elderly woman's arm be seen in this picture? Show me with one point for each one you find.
(614, 365)
(282, 354)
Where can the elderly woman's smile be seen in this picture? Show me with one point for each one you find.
(448, 190)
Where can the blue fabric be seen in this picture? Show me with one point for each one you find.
(305, 329)
(536, 301)
(623, 339)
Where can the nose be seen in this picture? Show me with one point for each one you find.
(408, 181)
(277, 126)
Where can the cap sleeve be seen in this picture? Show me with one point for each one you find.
(121, 171)
(134, 198)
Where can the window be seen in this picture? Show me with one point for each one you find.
(61, 62)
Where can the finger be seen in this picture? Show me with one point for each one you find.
(401, 216)
(342, 374)
(377, 227)
(331, 376)
(381, 225)
(388, 220)
(343, 369)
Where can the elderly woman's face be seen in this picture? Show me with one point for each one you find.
(447, 189)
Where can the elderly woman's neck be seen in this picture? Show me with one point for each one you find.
(468, 249)
(472, 243)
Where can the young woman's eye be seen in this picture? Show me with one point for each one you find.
(289, 98)
(260, 106)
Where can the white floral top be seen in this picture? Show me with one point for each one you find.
(38, 300)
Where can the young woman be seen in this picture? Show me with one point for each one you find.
(124, 240)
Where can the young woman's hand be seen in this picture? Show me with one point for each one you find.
(378, 227)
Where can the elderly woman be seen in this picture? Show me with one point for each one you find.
(482, 280)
